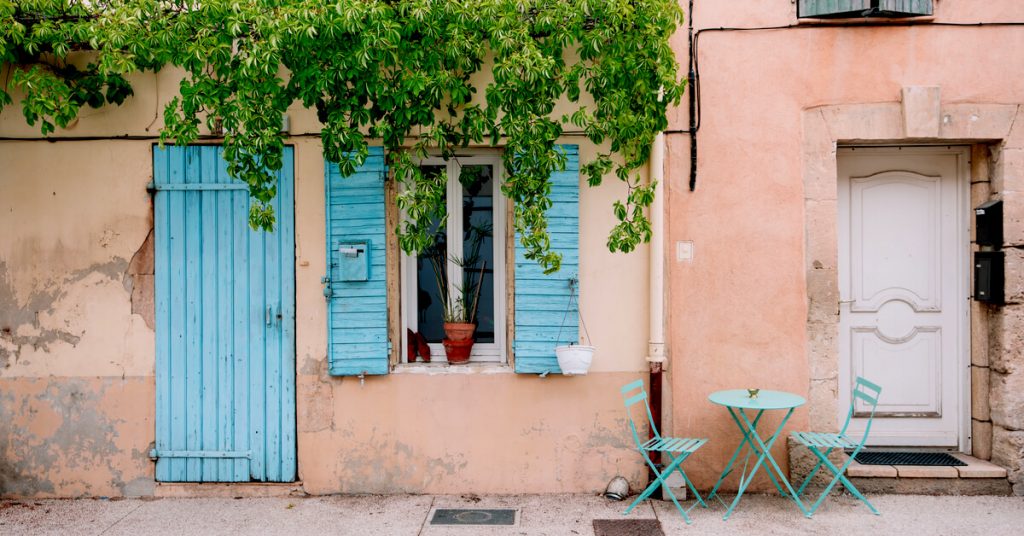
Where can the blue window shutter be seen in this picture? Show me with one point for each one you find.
(541, 300)
(905, 8)
(832, 8)
(858, 8)
(357, 311)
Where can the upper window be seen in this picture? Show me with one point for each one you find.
(821, 9)
(470, 251)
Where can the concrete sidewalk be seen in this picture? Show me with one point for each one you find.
(537, 515)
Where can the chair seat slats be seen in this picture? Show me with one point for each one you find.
(673, 444)
(819, 439)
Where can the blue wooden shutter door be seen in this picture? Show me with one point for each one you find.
(357, 310)
(225, 324)
(541, 300)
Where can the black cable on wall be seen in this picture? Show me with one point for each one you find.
(693, 75)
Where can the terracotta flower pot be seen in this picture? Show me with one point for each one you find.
(458, 351)
(459, 331)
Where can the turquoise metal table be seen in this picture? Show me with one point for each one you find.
(738, 401)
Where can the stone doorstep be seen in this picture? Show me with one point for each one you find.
(208, 490)
(975, 468)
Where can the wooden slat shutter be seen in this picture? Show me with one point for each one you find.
(832, 8)
(856, 8)
(357, 310)
(906, 8)
(541, 300)
(225, 323)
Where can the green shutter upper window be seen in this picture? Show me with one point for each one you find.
(822, 9)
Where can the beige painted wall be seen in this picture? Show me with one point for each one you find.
(76, 363)
(738, 313)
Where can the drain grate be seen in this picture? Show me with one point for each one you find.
(908, 458)
(473, 516)
(627, 527)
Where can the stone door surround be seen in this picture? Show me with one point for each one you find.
(920, 117)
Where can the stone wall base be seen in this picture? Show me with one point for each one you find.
(932, 486)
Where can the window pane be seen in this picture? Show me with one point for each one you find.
(478, 242)
(430, 312)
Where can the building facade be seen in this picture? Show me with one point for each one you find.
(815, 222)
(148, 335)
(830, 232)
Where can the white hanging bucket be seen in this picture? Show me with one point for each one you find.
(574, 360)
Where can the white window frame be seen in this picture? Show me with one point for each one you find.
(482, 352)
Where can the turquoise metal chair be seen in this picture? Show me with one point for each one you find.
(676, 449)
(868, 392)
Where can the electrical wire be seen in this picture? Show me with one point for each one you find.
(694, 61)
(200, 138)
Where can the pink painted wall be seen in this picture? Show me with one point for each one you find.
(738, 312)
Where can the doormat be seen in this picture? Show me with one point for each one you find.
(627, 527)
(908, 458)
(473, 516)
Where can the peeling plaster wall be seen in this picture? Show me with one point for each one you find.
(77, 343)
(742, 313)
(75, 362)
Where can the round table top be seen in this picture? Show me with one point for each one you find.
(740, 398)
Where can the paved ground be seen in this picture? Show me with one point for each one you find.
(538, 515)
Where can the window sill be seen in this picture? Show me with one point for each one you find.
(864, 21)
(434, 369)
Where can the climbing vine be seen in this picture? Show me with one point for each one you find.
(422, 76)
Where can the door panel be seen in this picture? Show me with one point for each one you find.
(902, 278)
(225, 315)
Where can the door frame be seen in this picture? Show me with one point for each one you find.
(962, 273)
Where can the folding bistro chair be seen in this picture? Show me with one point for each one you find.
(676, 449)
(868, 392)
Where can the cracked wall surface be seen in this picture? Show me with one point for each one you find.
(76, 362)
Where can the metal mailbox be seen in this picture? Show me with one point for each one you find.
(354, 260)
(989, 277)
(988, 220)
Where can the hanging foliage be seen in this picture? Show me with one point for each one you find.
(423, 76)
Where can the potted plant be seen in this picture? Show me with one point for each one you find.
(459, 308)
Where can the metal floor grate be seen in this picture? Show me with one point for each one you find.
(474, 516)
(908, 458)
(627, 527)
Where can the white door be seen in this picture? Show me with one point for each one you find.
(903, 274)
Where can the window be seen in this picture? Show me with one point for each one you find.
(470, 246)
(821, 9)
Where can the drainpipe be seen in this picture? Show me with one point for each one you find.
(656, 300)
(656, 341)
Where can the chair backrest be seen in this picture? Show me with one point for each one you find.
(634, 393)
(868, 392)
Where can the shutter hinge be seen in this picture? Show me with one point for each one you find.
(328, 291)
(222, 454)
